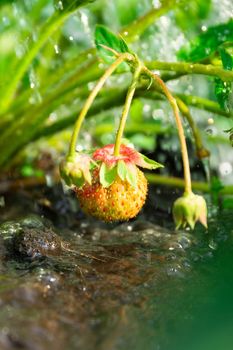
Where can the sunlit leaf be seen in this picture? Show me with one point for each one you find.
(105, 38)
(207, 43)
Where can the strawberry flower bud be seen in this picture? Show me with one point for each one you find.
(75, 170)
(189, 209)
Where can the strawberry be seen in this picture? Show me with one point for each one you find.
(118, 202)
(118, 188)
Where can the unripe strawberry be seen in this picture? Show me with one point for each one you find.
(118, 202)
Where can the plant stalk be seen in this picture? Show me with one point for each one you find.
(126, 108)
(89, 101)
(193, 68)
(184, 151)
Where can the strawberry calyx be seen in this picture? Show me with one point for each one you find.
(123, 165)
(76, 170)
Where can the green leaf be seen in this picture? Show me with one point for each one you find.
(195, 10)
(121, 170)
(223, 89)
(207, 42)
(227, 60)
(230, 132)
(107, 175)
(104, 37)
(150, 163)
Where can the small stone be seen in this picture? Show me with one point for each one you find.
(33, 243)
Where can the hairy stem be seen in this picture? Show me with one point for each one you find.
(201, 151)
(193, 68)
(184, 151)
(91, 98)
(126, 108)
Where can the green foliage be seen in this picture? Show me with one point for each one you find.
(215, 187)
(223, 89)
(105, 38)
(230, 132)
(207, 43)
(27, 170)
(189, 13)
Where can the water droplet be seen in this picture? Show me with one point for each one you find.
(56, 48)
(204, 28)
(146, 108)
(210, 121)
(79, 148)
(225, 168)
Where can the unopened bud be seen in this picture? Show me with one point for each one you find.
(189, 209)
(75, 170)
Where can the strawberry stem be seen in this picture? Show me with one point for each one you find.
(91, 97)
(126, 108)
(173, 103)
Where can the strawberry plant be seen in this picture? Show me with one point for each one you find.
(107, 182)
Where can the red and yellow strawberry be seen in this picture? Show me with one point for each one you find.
(118, 202)
(117, 190)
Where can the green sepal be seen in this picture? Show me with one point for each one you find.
(150, 163)
(122, 170)
(107, 175)
(131, 175)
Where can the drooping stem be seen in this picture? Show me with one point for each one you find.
(91, 98)
(126, 108)
(184, 151)
(201, 151)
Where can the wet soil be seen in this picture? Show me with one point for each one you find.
(68, 282)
